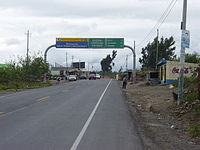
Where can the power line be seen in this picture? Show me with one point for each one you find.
(168, 13)
(159, 22)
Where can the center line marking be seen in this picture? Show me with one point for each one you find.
(2, 113)
(43, 98)
(80, 136)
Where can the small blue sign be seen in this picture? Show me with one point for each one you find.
(185, 39)
(70, 44)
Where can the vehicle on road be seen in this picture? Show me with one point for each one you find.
(72, 78)
(92, 76)
(83, 76)
(98, 76)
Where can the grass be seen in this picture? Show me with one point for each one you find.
(16, 86)
(195, 129)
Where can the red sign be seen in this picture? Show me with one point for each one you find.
(177, 70)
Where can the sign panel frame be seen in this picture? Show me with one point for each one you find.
(71, 43)
(93, 43)
(185, 39)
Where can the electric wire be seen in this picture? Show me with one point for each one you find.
(159, 22)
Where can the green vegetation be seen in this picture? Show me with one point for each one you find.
(191, 96)
(142, 73)
(190, 88)
(111, 74)
(166, 50)
(24, 85)
(195, 129)
(23, 73)
(107, 63)
(192, 58)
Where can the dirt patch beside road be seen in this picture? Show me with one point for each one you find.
(160, 126)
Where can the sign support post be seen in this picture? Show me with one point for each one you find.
(182, 54)
(134, 60)
(94, 43)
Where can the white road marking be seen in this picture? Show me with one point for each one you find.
(80, 136)
(5, 114)
(22, 108)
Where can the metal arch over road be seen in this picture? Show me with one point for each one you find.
(93, 43)
(45, 53)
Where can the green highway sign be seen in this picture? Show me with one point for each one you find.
(106, 43)
(97, 43)
(101, 43)
(115, 43)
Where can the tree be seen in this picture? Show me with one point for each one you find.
(107, 63)
(166, 49)
(18, 72)
(192, 58)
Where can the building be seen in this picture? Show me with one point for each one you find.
(169, 70)
(4, 65)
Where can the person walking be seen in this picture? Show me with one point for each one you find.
(124, 82)
(58, 80)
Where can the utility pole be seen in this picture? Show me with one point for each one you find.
(157, 48)
(66, 60)
(134, 65)
(79, 66)
(182, 55)
(134, 60)
(72, 60)
(27, 48)
(126, 62)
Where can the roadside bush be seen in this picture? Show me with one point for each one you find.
(190, 82)
(2, 87)
(190, 88)
(195, 129)
(142, 73)
(197, 108)
(191, 95)
(23, 72)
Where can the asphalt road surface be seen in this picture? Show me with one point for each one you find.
(81, 115)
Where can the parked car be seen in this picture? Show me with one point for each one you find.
(83, 76)
(72, 78)
(98, 76)
(92, 77)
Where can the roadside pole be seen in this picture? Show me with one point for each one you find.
(157, 49)
(198, 70)
(45, 59)
(134, 59)
(134, 64)
(45, 53)
(27, 47)
(182, 55)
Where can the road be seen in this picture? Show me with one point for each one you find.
(81, 115)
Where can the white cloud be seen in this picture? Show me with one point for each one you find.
(48, 19)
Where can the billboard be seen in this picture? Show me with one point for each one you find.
(78, 65)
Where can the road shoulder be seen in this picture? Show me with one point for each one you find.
(158, 128)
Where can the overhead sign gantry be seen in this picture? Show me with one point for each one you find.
(100, 43)
(92, 43)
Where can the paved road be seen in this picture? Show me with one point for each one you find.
(82, 115)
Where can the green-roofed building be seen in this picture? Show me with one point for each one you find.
(3, 65)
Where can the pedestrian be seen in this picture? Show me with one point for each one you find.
(58, 80)
(124, 82)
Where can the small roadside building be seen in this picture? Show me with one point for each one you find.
(169, 70)
(4, 65)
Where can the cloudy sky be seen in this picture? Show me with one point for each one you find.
(128, 19)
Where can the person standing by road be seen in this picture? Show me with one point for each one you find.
(124, 82)
(58, 80)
